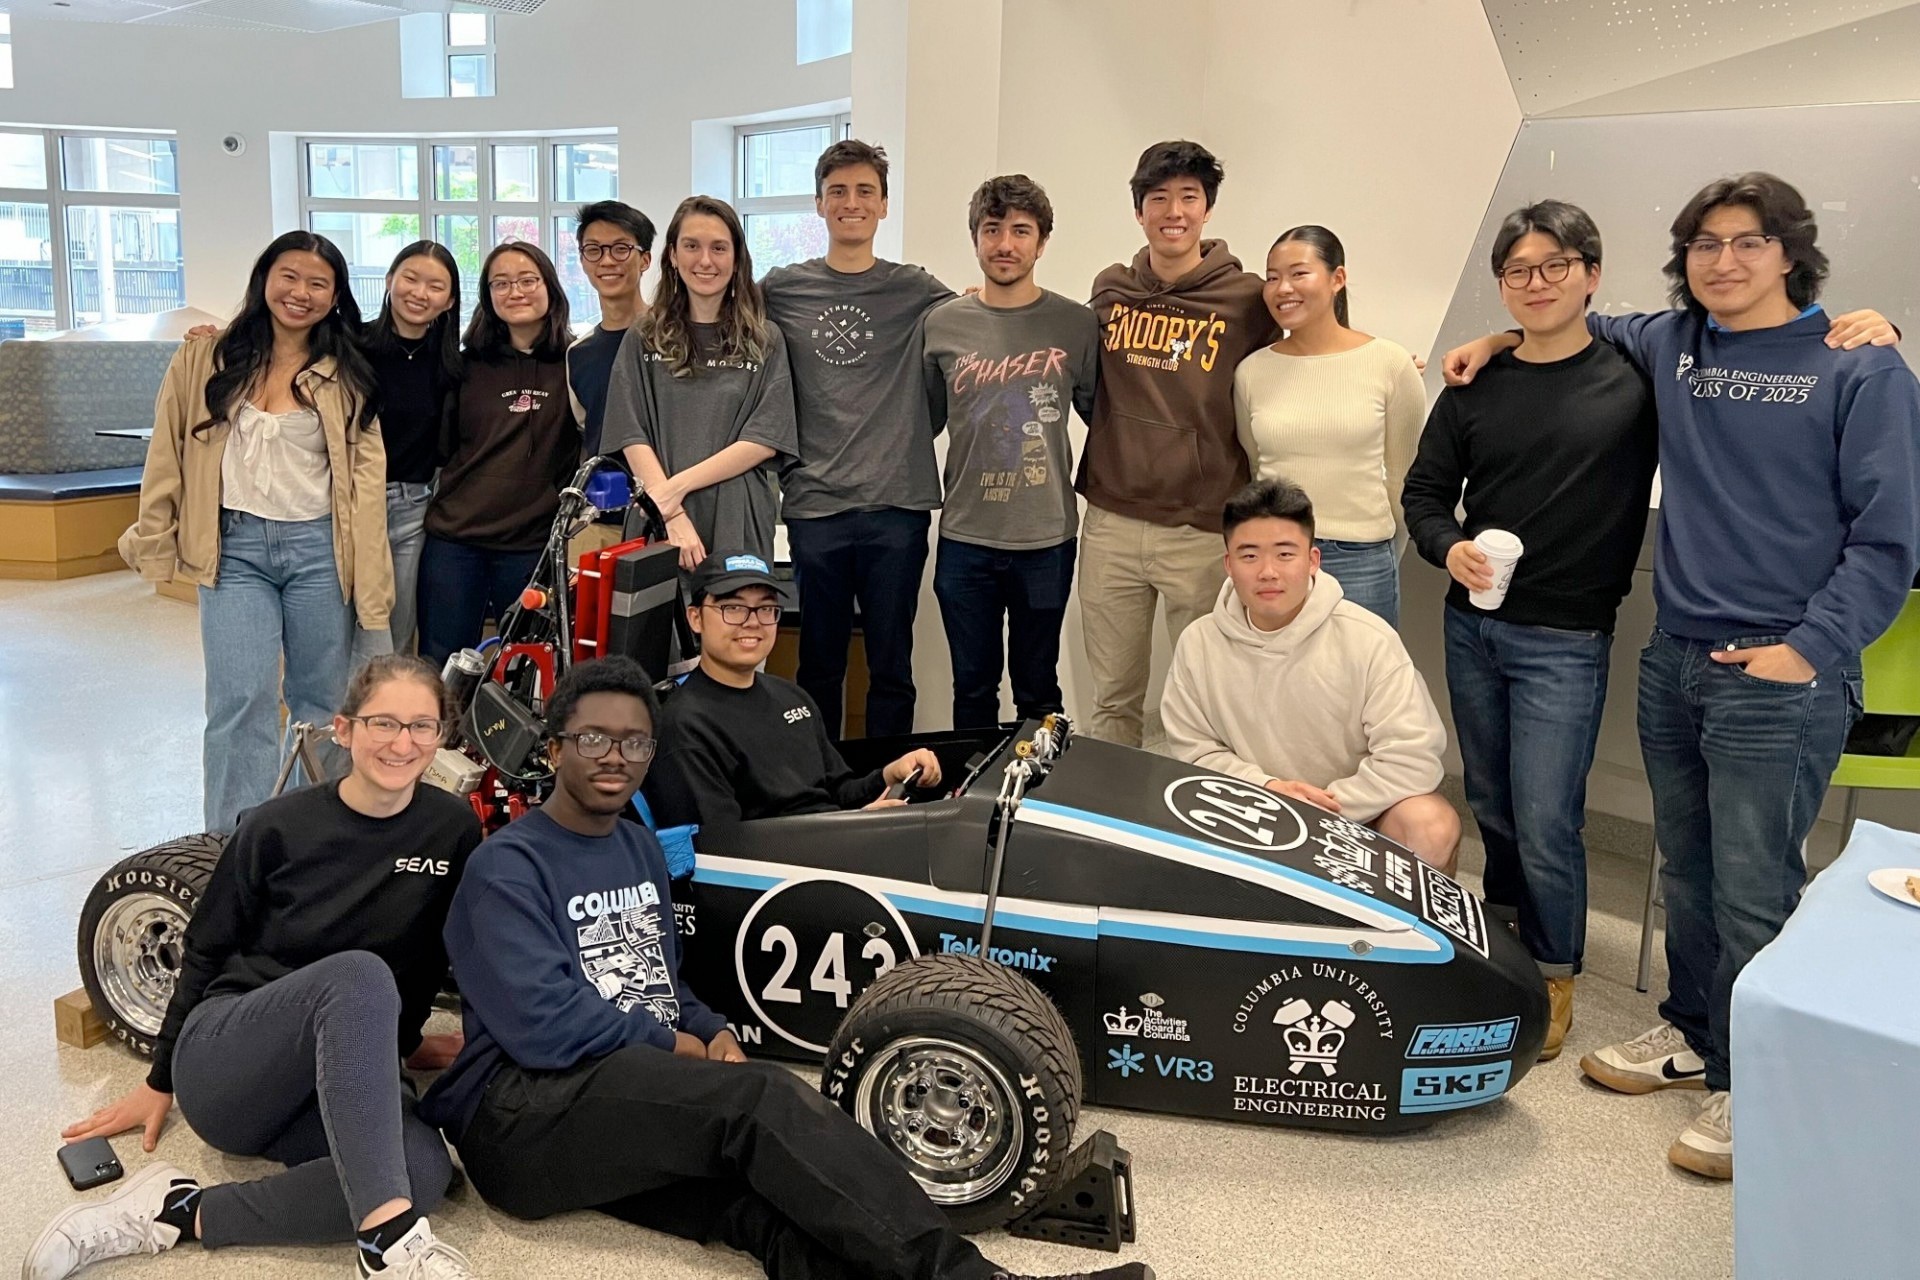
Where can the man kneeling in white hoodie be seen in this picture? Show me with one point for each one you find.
(1292, 687)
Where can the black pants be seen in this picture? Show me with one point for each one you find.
(876, 558)
(741, 1153)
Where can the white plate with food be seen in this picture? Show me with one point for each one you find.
(1902, 884)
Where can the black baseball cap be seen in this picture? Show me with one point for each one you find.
(724, 572)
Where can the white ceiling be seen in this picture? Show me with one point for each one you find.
(251, 15)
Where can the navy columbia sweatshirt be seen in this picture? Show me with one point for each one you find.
(564, 950)
(1789, 475)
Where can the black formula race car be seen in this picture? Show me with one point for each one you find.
(1204, 946)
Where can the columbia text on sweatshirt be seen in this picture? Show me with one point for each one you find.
(1788, 473)
(306, 877)
(732, 755)
(565, 949)
(515, 446)
(1330, 699)
(1162, 446)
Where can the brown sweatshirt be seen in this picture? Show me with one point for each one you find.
(515, 446)
(1162, 445)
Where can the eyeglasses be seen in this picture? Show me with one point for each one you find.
(619, 251)
(735, 615)
(1553, 271)
(593, 745)
(1746, 247)
(384, 729)
(503, 285)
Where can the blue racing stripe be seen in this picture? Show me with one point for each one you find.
(1139, 932)
(963, 912)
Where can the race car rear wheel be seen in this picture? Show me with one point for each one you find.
(967, 1073)
(131, 932)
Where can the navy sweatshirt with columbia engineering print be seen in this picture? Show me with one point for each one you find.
(1788, 478)
(564, 950)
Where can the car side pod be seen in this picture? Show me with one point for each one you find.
(1092, 1204)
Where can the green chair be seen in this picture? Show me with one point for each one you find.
(1890, 672)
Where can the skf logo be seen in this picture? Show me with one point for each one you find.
(1450, 1088)
(798, 714)
(424, 866)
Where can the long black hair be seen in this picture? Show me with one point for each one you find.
(245, 350)
(488, 337)
(1327, 247)
(443, 335)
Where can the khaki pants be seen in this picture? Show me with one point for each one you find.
(1127, 567)
(595, 537)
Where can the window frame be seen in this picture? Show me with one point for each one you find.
(449, 51)
(841, 126)
(59, 198)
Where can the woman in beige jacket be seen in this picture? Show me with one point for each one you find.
(265, 486)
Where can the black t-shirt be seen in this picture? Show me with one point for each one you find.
(589, 370)
(729, 755)
(305, 877)
(1560, 454)
(413, 407)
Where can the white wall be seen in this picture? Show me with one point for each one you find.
(581, 64)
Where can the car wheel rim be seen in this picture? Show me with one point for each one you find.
(949, 1112)
(136, 955)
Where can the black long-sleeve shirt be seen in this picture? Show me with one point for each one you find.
(415, 397)
(1560, 454)
(305, 877)
(729, 755)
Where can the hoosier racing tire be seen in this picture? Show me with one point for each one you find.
(131, 932)
(967, 1073)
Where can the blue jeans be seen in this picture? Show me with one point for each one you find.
(1738, 767)
(461, 586)
(1526, 711)
(983, 590)
(1368, 574)
(276, 597)
(407, 535)
(876, 558)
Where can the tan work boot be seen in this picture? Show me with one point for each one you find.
(1559, 1016)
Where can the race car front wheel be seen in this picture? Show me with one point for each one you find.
(132, 930)
(967, 1073)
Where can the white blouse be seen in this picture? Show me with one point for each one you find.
(275, 465)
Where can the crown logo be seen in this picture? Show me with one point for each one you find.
(1314, 1039)
(1123, 1023)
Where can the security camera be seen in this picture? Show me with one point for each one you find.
(234, 145)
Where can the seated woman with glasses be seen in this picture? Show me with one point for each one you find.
(515, 445)
(738, 743)
(307, 973)
(701, 402)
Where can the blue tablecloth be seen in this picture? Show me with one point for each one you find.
(1826, 1081)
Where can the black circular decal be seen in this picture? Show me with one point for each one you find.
(808, 948)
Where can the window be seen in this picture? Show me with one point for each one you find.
(372, 197)
(822, 29)
(469, 55)
(6, 51)
(773, 187)
(447, 55)
(89, 229)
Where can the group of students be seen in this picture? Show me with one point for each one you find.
(1251, 468)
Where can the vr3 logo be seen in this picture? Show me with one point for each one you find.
(1463, 1039)
(1128, 1061)
(1450, 1088)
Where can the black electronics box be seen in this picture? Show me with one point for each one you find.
(646, 593)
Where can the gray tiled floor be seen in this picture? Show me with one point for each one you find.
(99, 744)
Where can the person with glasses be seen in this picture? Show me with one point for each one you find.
(702, 402)
(1788, 530)
(616, 248)
(740, 744)
(306, 974)
(515, 445)
(594, 1078)
(1555, 442)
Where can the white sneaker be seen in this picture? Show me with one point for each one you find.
(1705, 1146)
(1656, 1059)
(418, 1256)
(123, 1224)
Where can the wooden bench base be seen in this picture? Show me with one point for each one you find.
(64, 538)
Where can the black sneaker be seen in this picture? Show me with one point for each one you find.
(1125, 1271)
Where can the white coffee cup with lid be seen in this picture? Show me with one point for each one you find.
(1503, 552)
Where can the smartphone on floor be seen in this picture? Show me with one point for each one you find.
(90, 1163)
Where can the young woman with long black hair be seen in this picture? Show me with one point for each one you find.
(265, 486)
(1337, 412)
(414, 348)
(515, 445)
(701, 402)
(308, 971)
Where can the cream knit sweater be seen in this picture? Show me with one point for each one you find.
(1330, 699)
(1344, 427)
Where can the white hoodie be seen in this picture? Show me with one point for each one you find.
(1330, 699)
